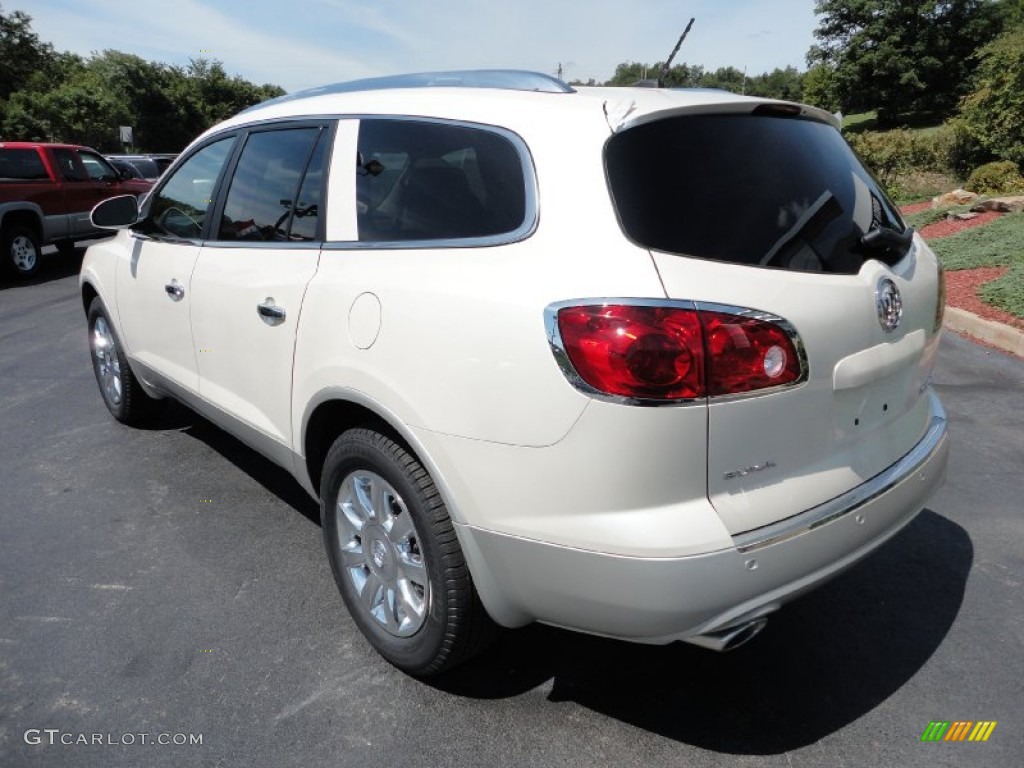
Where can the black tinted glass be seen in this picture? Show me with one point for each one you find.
(759, 190)
(179, 209)
(431, 181)
(21, 164)
(265, 184)
(307, 208)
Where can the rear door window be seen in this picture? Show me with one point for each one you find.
(427, 181)
(759, 190)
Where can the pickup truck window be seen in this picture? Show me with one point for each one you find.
(21, 165)
(97, 168)
(179, 209)
(70, 166)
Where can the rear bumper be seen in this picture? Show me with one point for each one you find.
(662, 599)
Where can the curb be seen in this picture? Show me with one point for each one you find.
(1002, 336)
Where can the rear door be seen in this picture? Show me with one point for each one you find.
(251, 277)
(769, 212)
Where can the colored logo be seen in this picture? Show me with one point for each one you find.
(958, 730)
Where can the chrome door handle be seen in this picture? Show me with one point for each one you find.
(270, 313)
(175, 290)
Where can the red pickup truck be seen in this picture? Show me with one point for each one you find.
(46, 194)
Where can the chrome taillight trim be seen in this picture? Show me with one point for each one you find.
(557, 345)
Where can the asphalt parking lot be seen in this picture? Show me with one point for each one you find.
(172, 582)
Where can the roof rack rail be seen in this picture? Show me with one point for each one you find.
(505, 79)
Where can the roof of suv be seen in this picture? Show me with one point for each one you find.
(501, 94)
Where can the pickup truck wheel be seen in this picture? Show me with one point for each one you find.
(20, 248)
(395, 556)
(122, 394)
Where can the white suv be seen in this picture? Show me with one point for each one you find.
(643, 363)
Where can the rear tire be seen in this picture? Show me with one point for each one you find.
(395, 556)
(120, 390)
(20, 248)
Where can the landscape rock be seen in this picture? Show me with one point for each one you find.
(956, 197)
(962, 216)
(1000, 204)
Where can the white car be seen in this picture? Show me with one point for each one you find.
(637, 362)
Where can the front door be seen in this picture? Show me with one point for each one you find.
(154, 287)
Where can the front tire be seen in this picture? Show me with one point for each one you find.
(121, 391)
(395, 556)
(21, 252)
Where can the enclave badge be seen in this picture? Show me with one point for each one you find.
(889, 304)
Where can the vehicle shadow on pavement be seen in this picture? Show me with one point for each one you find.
(823, 661)
(272, 477)
(52, 267)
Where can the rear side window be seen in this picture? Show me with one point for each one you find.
(21, 165)
(749, 189)
(264, 190)
(423, 181)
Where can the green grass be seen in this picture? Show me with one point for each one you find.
(997, 244)
(865, 121)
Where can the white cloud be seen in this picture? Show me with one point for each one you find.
(321, 41)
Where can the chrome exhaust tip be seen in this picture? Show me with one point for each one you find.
(731, 637)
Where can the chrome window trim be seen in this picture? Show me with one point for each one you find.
(557, 345)
(530, 204)
(854, 499)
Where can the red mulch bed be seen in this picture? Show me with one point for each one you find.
(962, 292)
(949, 227)
(915, 207)
(962, 285)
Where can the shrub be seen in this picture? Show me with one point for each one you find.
(993, 111)
(999, 178)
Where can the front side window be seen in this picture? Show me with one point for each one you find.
(264, 195)
(180, 207)
(97, 168)
(70, 165)
(421, 181)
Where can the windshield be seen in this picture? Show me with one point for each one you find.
(760, 190)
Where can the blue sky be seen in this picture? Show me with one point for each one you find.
(304, 43)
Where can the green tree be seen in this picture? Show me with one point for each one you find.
(786, 84)
(679, 75)
(21, 52)
(994, 112)
(903, 56)
(820, 87)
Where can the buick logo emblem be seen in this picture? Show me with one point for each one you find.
(889, 304)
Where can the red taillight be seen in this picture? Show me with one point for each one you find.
(747, 353)
(676, 353)
(636, 351)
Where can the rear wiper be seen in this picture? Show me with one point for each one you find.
(885, 238)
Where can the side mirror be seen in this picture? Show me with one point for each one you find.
(116, 213)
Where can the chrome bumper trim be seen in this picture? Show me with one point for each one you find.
(852, 500)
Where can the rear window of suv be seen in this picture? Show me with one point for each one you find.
(758, 190)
